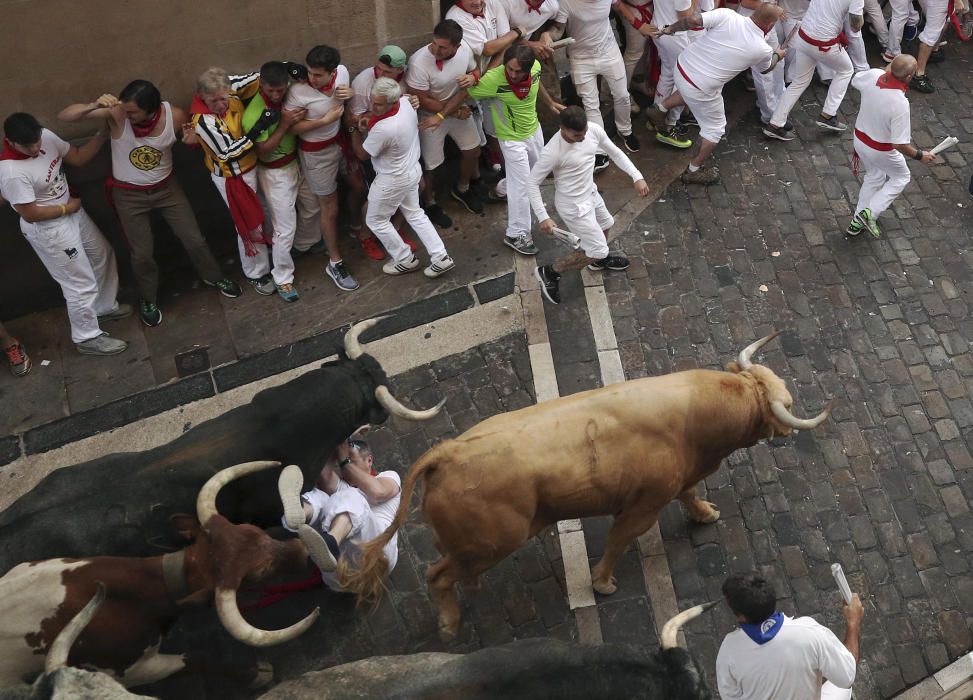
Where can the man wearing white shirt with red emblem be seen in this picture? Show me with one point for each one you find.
(390, 138)
(570, 156)
(819, 40)
(883, 132)
(731, 44)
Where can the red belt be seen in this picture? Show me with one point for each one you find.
(872, 143)
(688, 79)
(314, 146)
(122, 185)
(281, 162)
(824, 46)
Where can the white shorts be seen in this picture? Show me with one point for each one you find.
(463, 132)
(588, 220)
(321, 169)
(936, 12)
(706, 107)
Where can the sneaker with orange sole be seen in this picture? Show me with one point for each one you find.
(408, 241)
(372, 248)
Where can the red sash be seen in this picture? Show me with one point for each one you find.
(688, 79)
(315, 146)
(824, 46)
(280, 162)
(871, 143)
(246, 212)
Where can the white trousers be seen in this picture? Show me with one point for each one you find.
(286, 193)
(903, 13)
(873, 10)
(588, 220)
(634, 48)
(886, 175)
(936, 12)
(390, 193)
(783, 30)
(805, 59)
(258, 265)
(856, 52)
(79, 259)
(669, 48)
(585, 72)
(769, 87)
(518, 158)
(707, 107)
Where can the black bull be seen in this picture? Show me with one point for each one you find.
(120, 504)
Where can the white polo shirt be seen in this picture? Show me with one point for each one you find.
(587, 22)
(393, 143)
(362, 86)
(39, 179)
(573, 167)
(791, 666)
(317, 104)
(440, 83)
(825, 19)
(520, 14)
(884, 114)
(477, 31)
(729, 45)
(664, 11)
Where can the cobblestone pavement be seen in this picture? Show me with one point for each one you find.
(882, 324)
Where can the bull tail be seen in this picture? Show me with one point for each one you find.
(365, 577)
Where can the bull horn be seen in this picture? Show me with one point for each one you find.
(744, 357)
(671, 629)
(206, 500)
(392, 405)
(243, 631)
(57, 655)
(789, 419)
(353, 348)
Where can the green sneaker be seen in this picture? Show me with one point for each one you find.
(672, 137)
(150, 314)
(871, 223)
(854, 228)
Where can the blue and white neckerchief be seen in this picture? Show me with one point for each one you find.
(766, 630)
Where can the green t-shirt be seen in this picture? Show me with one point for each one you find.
(287, 145)
(514, 119)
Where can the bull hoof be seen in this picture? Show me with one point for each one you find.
(264, 675)
(605, 588)
(706, 513)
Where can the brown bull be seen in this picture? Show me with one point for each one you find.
(624, 450)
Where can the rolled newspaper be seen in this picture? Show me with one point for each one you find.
(944, 144)
(839, 578)
(566, 41)
(567, 238)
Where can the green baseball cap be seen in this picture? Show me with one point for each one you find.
(393, 56)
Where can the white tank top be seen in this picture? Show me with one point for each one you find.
(145, 160)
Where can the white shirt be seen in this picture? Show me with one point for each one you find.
(664, 11)
(362, 85)
(884, 113)
(520, 15)
(317, 104)
(791, 666)
(795, 9)
(477, 31)
(393, 143)
(439, 83)
(731, 44)
(573, 168)
(38, 179)
(144, 160)
(825, 19)
(587, 21)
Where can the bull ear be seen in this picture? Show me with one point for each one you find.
(732, 366)
(361, 432)
(186, 525)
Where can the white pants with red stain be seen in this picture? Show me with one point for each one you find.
(518, 158)
(286, 193)
(390, 193)
(254, 266)
(81, 261)
(886, 175)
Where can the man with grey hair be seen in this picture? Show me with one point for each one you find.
(390, 139)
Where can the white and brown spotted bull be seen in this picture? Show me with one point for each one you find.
(624, 450)
(143, 597)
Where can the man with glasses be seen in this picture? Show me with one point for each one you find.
(350, 504)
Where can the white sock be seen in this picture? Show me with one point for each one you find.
(462, 187)
(693, 168)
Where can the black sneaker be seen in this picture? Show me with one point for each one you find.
(688, 119)
(610, 262)
(150, 314)
(831, 123)
(550, 281)
(936, 57)
(631, 143)
(264, 285)
(227, 287)
(922, 83)
(601, 162)
(469, 199)
(438, 216)
(781, 133)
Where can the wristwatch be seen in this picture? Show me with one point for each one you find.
(918, 155)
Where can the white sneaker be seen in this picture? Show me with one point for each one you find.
(289, 485)
(401, 268)
(439, 267)
(104, 344)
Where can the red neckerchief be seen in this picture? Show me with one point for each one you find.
(644, 10)
(11, 153)
(375, 119)
(199, 107)
(397, 79)
(521, 89)
(276, 106)
(145, 128)
(531, 7)
(887, 81)
(459, 4)
(327, 88)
